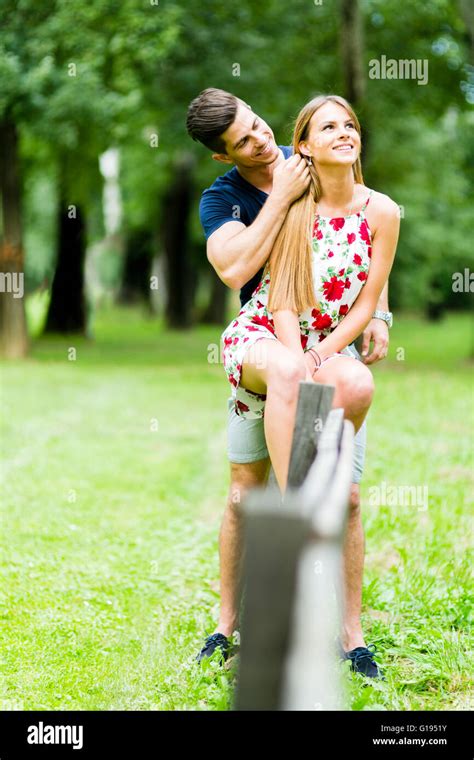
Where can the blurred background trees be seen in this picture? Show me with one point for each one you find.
(79, 80)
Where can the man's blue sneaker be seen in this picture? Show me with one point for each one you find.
(213, 642)
(362, 661)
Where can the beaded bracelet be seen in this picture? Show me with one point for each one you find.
(314, 354)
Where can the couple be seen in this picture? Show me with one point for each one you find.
(311, 249)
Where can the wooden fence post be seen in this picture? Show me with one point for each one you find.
(275, 534)
(311, 678)
(314, 404)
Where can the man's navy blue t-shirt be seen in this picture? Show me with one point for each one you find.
(229, 199)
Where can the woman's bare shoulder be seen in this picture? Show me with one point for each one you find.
(382, 204)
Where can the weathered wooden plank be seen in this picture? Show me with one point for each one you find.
(286, 605)
(314, 404)
(311, 679)
(323, 469)
(330, 515)
(273, 541)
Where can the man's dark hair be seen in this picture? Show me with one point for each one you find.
(209, 115)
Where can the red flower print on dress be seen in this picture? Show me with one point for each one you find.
(241, 406)
(330, 255)
(347, 284)
(337, 223)
(333, 289)
(321, 337)
(364, 232)
(316, 231)
(343, 309)
(264, 322)
(322, 322)
(233, 380)
(341, 272)
(357, 259)
(351, 237)
(362, 276)
(304, 340)
(369, 251)
(227, 341)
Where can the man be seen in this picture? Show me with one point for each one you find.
(242, 213)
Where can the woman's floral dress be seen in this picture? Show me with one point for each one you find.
(341, 259)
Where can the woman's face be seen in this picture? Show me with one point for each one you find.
(332, 138)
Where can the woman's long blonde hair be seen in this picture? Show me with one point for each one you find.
(289, 265)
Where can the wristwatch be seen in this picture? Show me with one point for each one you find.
(387, 316)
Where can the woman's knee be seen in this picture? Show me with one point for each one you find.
(357, 387)
(285, 374)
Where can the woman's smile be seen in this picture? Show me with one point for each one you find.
(343, 147)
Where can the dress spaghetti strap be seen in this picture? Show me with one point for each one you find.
(367, 201)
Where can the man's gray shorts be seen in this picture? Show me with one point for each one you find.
(246, 439)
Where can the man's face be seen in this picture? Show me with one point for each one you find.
(249, 141)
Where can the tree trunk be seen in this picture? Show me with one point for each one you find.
(13, 336)
(135, 287)
(352, 57)
(352, 47)
(467, 13)
(177, 205)
(67, 308)
(215, 313)
(435, 306)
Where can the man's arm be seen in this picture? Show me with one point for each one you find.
(238, 252)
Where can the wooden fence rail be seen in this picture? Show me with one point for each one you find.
(291, 569)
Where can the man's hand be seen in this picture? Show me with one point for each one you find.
(290, 180)
(376, 332)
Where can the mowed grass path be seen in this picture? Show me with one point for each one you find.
(115, 480)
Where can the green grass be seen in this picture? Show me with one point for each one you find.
(115, 480)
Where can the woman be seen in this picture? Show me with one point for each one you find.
(321, 284)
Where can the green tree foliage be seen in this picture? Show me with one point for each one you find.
(76, 79)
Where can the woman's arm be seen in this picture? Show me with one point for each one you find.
(287, 328)
(384, 245)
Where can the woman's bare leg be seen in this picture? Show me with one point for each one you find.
(271, 368)
(354, 386)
